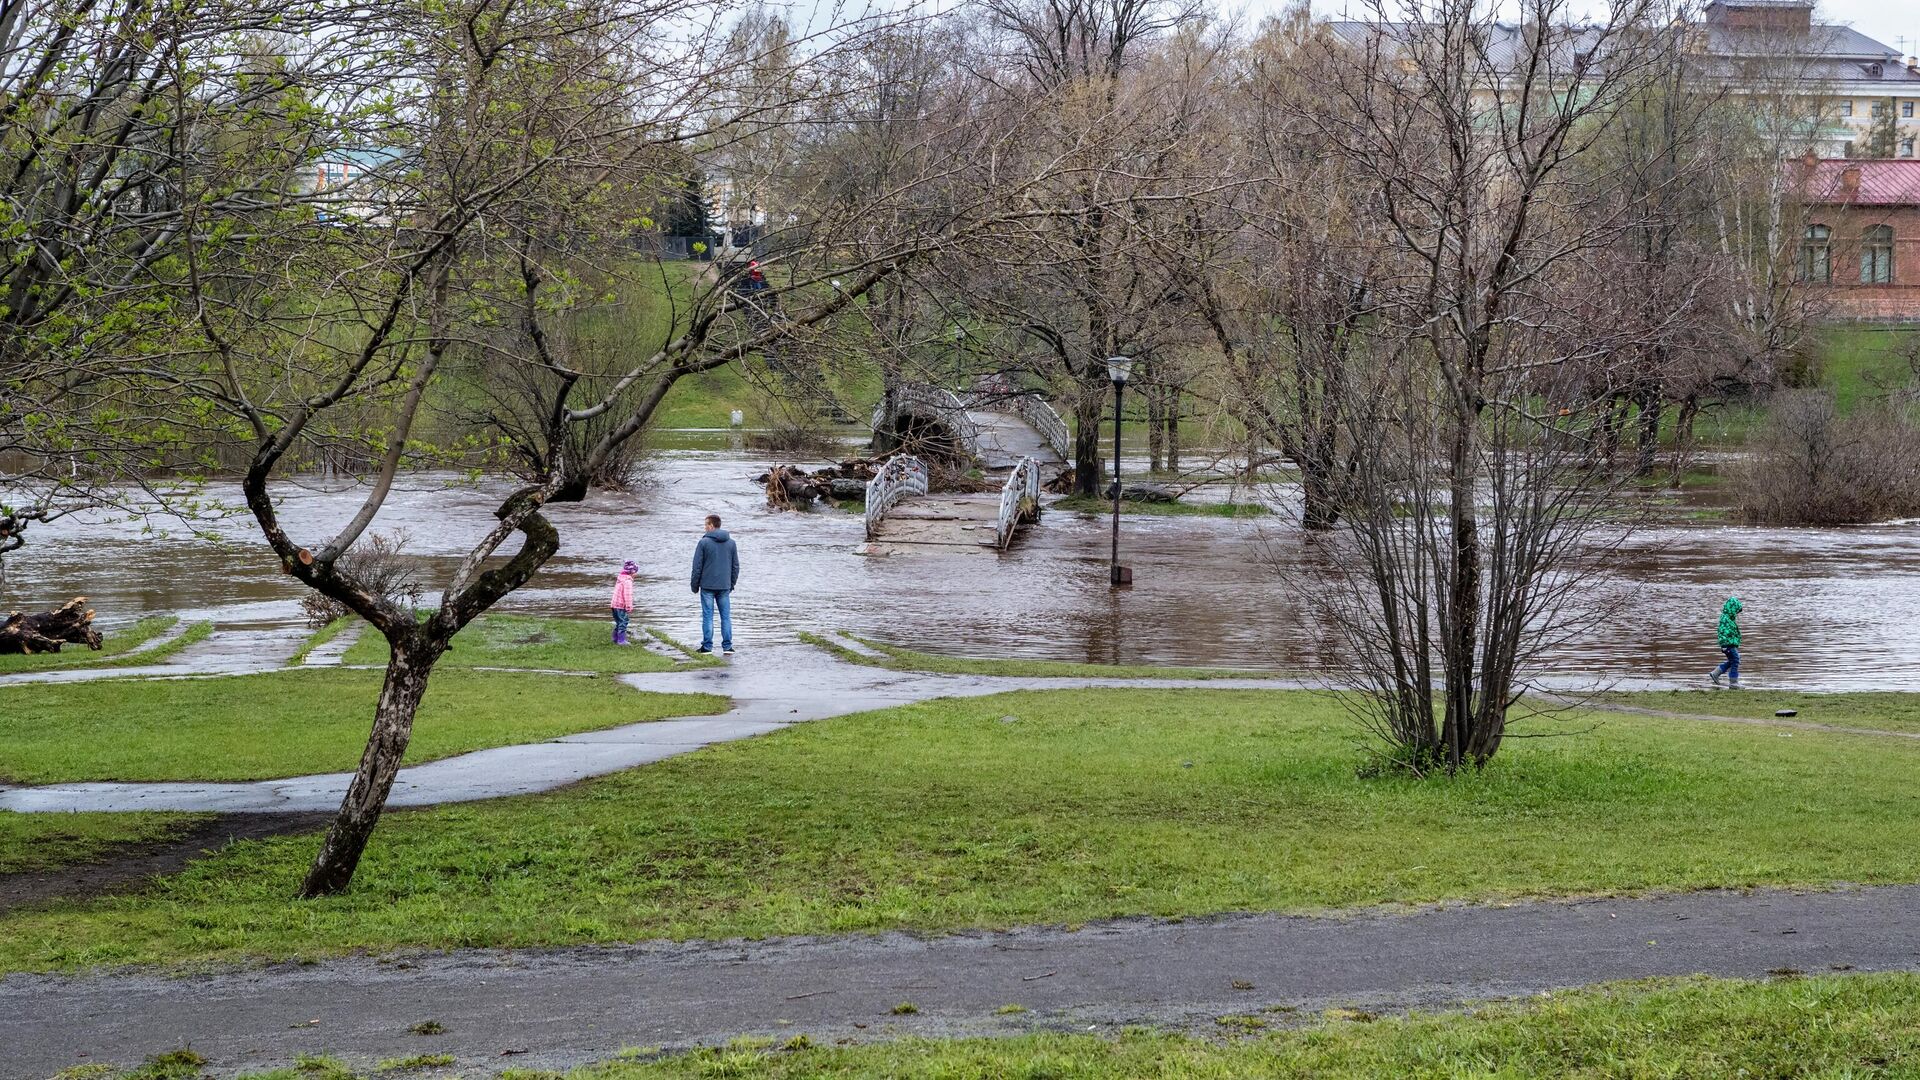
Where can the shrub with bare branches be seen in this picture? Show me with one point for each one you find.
(380, 561)
(1812, 466)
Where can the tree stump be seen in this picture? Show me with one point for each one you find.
(69, 624)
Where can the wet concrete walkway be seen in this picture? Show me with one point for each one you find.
(770, 689)
(238, 650)
(558, 1008)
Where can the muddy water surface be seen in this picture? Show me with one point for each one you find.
(1828, 609)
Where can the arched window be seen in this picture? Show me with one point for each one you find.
(1816, 254)
(1876, 255)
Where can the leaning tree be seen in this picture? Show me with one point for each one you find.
(458, 188)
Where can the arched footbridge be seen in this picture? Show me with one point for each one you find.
(1017, 440)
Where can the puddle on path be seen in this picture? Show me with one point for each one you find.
(1827, 608)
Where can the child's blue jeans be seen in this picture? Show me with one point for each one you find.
(620, 623)
(1731, 667)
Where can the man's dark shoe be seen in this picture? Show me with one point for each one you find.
(704, 649)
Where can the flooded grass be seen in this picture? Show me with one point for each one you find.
(1092, 804)
(290, 723)
(320, 637)
(1093, 504)
(522, 641)
(1831, 1026)
(899, 659)
(113, 648)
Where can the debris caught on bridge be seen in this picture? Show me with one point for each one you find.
(69, 624)
(789, 486)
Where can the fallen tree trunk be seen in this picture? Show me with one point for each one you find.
(69, 624)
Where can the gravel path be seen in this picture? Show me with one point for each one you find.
(553, 1009)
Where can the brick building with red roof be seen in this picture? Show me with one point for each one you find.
(1862, 237)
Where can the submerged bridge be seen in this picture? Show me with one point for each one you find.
(1015, 439)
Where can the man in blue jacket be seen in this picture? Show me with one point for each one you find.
(716, 569)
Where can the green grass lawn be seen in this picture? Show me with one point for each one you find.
(1093, 504)
(899, 659)
(113, 649)
(1886, 711)
(1832, 1026)
(1861, 363)
(1084, 805)
(523, 641)
(1856, 363)
(707, 399)
(35, 843)
(290, 723)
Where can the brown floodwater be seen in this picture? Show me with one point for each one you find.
(1827, 608)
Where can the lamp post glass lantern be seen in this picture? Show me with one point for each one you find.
(1118, 368)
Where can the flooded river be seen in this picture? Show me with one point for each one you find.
(1827, 608)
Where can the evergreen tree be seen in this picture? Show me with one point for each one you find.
(1883, 134)
(691, 212)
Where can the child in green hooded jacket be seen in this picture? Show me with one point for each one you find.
(1730, 642)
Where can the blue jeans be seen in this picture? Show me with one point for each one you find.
(709, 600)
(1731, 667)
(620, 624)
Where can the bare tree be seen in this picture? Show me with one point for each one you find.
(502, 165)
(1287, 285)
(1085, 276)
(1473, 499)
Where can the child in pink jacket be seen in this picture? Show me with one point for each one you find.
(622, 602)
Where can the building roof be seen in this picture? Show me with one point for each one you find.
(1822, 39)
(1859, 181)
(1837, 55)
(1506, 44)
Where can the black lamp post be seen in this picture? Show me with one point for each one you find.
(1118, 368)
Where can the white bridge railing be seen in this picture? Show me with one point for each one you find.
(933, 403)
(1035, 410)
(951, 409)
(901, 476)
(1019, 500)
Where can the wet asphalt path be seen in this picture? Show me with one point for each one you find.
(558, 1008)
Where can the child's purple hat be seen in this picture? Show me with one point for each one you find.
(630, 567)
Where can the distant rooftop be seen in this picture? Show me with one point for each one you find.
(1859, 181)
(1739, 40)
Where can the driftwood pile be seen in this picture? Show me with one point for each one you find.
(69, 624)
(790, 485)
